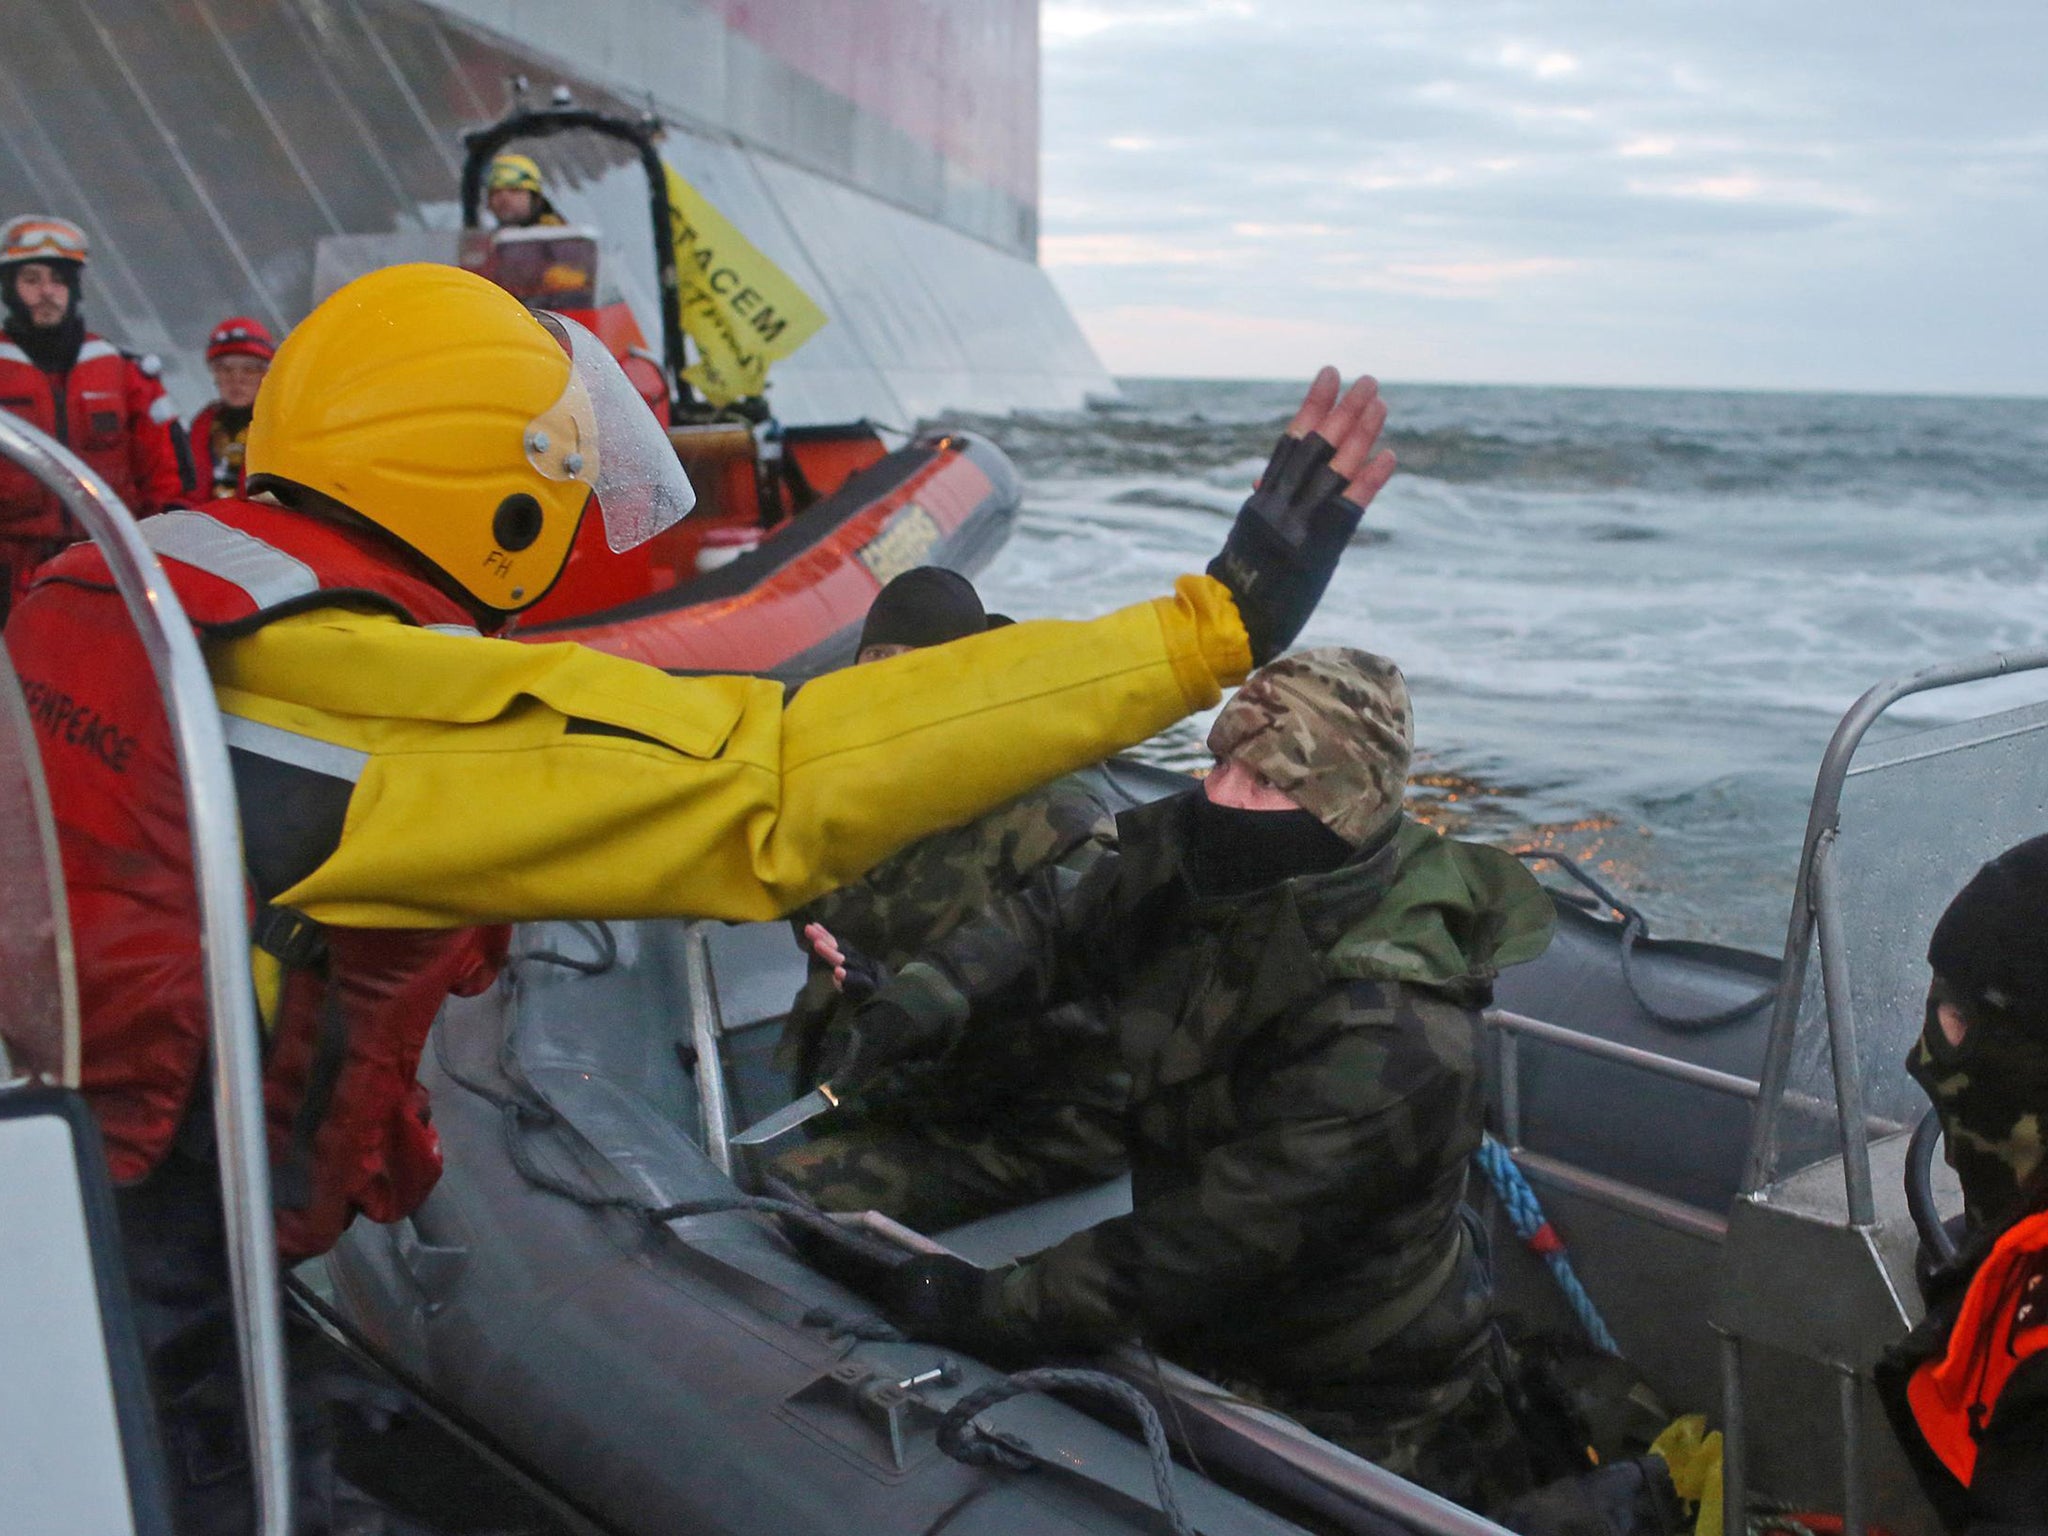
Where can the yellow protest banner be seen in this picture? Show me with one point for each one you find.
(738, 306)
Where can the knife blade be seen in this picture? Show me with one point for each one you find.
(789, 1117)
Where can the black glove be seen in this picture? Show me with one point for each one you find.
(936, 1297)
(1286, 541)
(865, 975)
(881, 1035)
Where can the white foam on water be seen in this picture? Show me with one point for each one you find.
(1642, 608)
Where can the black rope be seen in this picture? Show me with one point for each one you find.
(603, 940)
(967, 1442)
(1920, 1189)
(1634, 927)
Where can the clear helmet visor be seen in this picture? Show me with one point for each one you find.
(601, 433)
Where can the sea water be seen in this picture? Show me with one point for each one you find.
(1630, 619)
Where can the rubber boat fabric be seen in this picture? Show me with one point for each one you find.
(488, 781)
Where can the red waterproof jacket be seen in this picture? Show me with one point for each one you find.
(109, 410)
(217, 454)
(347, 1119)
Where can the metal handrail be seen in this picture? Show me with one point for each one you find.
(1822, 822)
(214, 827)
(1816, 910)
(1675, 1068)
(707, 1032)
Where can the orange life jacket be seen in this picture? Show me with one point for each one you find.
(2003, 1322)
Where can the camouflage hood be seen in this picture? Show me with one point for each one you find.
(1428, 911)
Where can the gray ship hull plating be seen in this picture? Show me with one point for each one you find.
(237, 158)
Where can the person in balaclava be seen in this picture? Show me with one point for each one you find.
(1968, 1388)
(104, 404)
(1293, 972)
(238, 354)
(1032, 1105)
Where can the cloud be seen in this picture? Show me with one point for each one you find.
(1659, 180)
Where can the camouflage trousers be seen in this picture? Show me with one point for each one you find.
(1457, 1436)
(934, 1176)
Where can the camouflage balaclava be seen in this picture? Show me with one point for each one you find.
(1990, 959)
(1330, 727)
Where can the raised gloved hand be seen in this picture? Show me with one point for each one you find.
(1293, 529)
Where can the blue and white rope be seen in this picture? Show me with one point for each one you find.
(1525, 1214)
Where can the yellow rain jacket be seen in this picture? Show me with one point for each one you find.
(497, 781)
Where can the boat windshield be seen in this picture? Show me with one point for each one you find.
(38, 1003)
(1919, 813)
(548, 266)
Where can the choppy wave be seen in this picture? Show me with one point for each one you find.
(1667, 442)
(1630, 618)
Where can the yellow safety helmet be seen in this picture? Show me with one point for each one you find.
(430, 402)
(517, 173)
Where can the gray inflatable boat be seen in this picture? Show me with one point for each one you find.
(687, 1371)
(1720, 1137)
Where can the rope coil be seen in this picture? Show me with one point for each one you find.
(1634, 927)
(965, 1441)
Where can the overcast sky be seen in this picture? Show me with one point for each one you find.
(1793, 194)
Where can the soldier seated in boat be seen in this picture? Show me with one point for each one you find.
(1030, 1106)
(1967, 1390)
(1294, 974)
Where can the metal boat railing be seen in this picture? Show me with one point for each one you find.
(233, 1029)
(1816, 908)
(1620, 1194)
(1817, 920)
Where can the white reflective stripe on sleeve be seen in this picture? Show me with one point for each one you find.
(10, 353)
(161, 410)
(308, 752)
(95, 348)
(453, 629)
(269, 576)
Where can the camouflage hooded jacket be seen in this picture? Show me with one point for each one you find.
(912, 901)
(1305, 1096)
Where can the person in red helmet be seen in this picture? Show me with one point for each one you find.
(238, 354)
(104, 404)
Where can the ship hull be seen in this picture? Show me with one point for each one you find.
(243, 159)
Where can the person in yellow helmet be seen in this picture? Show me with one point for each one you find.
(515, 194)
(421, 456)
